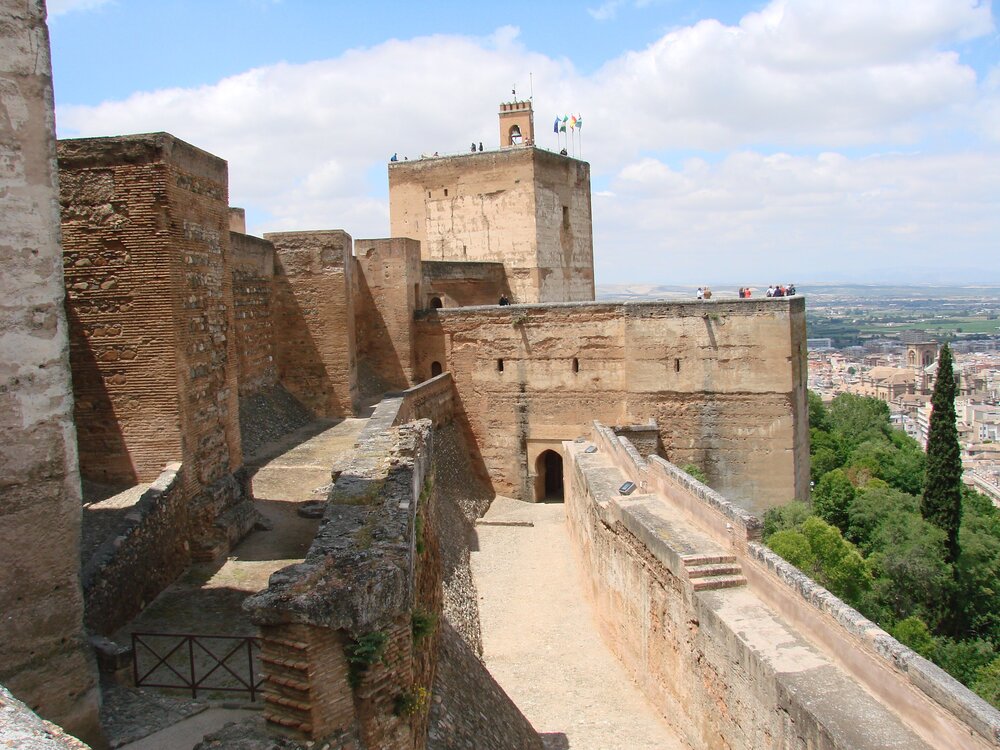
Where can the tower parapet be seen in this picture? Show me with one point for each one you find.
(517, 124)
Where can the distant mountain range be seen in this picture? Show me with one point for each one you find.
(827, 290)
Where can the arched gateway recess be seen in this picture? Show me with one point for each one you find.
(549, 470)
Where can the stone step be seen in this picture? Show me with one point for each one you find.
(288, 722)
(288, 703)
(690, 560)
(295, 665)
(287, 682)
(718, 582)
(297, 645)
(719, 569)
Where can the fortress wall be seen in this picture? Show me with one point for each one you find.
(387, 290)
(502, 205)
(463, 284)
(146, 238)
(314, 319)
(253, 314)
(930, 702)
(715, 376)
(44, 658)
(565, 228)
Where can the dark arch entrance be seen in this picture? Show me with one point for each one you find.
(549, 468)
(436, 303)
(435, 369)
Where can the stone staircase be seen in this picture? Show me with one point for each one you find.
(287, 691)
(711, 572)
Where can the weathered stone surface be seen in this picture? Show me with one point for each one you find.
(714, 376)
(43, 655)
(525, 207)
(22, 729)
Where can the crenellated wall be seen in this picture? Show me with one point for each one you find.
(734, 646)
(714, 376)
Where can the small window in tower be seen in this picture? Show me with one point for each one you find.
(436, 303)
(677, 365)
(500, 365)
(576, 364)
(514, 136)
(565, 217)
(428, 193)
(446, 192)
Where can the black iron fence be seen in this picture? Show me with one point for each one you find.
(210, 663)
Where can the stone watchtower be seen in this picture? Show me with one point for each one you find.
(517, 124)
(522, 206)
(920, 357)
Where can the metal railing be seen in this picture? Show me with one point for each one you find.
(195, 662)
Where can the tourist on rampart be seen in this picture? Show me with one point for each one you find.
(701, 293)
(504, 301)
(707, 293)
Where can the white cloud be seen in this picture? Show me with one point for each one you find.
(307, 144)
(606, 11)
(62, 7)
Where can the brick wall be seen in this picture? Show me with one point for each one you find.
(387, 290)
(44, 658)
(253, 314)
(314, 313)
(713, 376)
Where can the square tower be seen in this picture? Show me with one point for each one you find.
(525, 207)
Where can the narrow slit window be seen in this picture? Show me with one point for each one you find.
(500, 365)
(576, 364)
(565, 217)
(677, 365)
(446, 192)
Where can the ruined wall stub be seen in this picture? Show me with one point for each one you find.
(253, 312)
(715, 377)
(388, 290)
(314, 313)
(524, 207)
(150, 298)
(44, 659)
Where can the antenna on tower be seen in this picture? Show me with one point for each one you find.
(531, 88)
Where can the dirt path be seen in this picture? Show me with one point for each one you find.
(541, 642)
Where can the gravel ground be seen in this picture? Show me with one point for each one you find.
(268, 415)
(541, 641)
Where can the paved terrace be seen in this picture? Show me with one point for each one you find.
(541, 641)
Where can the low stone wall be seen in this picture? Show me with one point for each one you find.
(432, 399)
(143, 557)
(688, 647)
(372, 571)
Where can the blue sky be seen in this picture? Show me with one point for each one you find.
(729, 141)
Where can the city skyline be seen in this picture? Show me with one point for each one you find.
(799, 141)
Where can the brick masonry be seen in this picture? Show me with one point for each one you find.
(253, 313)
(314, 313)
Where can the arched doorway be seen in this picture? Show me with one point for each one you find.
(549, 470)
(436, 303)
(435, 369)
(514, 136)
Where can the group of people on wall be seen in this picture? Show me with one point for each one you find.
(744, 292)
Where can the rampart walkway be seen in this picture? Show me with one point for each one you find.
(541, 641)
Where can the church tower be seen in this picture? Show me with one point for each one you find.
(517, 124)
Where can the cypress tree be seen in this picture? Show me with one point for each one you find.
(942, 499)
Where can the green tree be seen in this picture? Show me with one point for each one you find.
(978, 569)
(942, 499)
(963, 659)
(818, 417)
(872, 506)
(783, 517)
(832, 497)
(913, 632)
(987, 682)
(858, 418)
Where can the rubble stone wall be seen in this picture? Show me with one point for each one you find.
(714, 376)
(143, 557)
(314, 319)
(44, 658)
(253, 313)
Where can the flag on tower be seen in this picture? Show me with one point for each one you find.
(579, 122)
(572, 122)
(555, 127)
